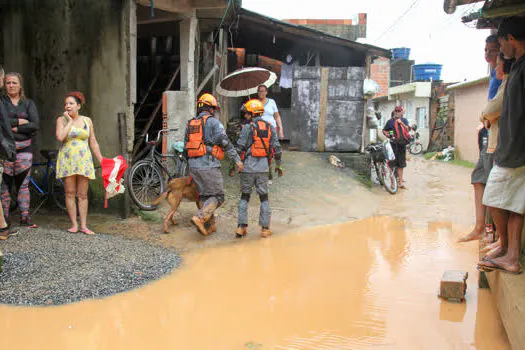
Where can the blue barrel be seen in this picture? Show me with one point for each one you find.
(425, 72)
(401, 53)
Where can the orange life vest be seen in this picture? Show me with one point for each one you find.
(261, 139)
(195, 146)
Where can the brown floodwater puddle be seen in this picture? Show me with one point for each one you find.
(369, 284)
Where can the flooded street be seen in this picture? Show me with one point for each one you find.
(367, 284)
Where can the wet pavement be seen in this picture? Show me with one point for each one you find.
(370, 283)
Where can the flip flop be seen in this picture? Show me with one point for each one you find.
(71, 230)
(497, 267)
(87, 231)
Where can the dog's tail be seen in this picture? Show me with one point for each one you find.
(161, 197)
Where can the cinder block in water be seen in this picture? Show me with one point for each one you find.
(453, 286)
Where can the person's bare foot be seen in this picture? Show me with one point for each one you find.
(491, 246)
(475, 235)
(503, 264)
(496, 252)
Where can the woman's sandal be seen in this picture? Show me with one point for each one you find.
(72, 230)
(27, 223)
(87, 231)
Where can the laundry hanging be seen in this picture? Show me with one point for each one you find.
(112, 173)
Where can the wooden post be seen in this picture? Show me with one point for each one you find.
(321, 130)
(126, 204)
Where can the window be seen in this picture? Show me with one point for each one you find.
(421, 115)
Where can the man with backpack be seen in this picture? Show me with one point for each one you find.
(257, 141)
(398, 130)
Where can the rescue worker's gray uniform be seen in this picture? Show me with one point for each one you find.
(255, 174)
(206, 170)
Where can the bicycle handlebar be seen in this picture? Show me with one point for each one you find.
(162, 131)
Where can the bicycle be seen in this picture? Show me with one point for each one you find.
(385, 173)
(415, 147)
(49, 188)
(147, 178)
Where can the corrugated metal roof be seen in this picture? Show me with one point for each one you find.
(468, 83)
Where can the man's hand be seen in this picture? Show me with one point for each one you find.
(240, 166)
(279, 171)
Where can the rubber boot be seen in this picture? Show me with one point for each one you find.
(199, 224)
(265, 232)
(241, 232)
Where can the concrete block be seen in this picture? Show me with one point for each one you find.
(453, 285)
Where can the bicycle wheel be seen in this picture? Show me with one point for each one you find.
(57, 191)
(389, 178)
(416, 148)
(379, 175)
(145, 184)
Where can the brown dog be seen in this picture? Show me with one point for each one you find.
(178, 189)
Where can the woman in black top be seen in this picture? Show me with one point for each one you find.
(23, 116)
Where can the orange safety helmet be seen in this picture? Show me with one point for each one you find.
(207, 100)
(254, 106)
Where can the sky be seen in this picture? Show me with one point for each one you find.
(431, 34)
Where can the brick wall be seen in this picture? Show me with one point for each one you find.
(343, 28)
(380, 73)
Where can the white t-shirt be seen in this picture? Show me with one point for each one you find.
(270, 108)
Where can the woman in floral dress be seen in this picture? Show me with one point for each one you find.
(75, 163)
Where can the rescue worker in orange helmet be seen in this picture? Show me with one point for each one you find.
(206, 143)
(257, 141)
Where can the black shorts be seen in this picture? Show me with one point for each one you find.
(400, 151)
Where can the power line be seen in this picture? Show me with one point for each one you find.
(399, 19)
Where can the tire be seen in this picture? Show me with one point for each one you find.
(416, 148)
(57, 191)
(145, 184)
(379, 175)
(390, 181)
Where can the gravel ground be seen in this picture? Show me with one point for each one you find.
(51, 267)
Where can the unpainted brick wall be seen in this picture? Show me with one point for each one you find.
(380, 73)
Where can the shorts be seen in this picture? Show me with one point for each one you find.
(506, 189)
(209, 181)
(400, 151)
(481, 172)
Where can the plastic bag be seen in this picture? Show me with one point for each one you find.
(370, 88)
(371, 119)
(389, 151)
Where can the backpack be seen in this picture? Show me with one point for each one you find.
(401, 133)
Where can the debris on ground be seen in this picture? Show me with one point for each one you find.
(453, 286)
(338, 163)
(445, 155)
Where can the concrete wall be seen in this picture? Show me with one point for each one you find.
(469, 102)
(65, 45)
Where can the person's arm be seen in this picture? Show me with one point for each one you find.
(93, 141)
(223, 141)
(243, 143)
(386, 129)
(276, 146)
(30, 125)
(63, 127)
(492, 110)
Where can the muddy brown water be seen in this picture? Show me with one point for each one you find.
(368, 284)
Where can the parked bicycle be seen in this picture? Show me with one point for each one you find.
(43, 185)
(386, 175)
(147, 178)
(415, 146)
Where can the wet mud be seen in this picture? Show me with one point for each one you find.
(365, 284)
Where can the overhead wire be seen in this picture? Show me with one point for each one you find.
(414, 3)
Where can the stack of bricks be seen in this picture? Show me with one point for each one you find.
(380, 73)
(343, 28)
